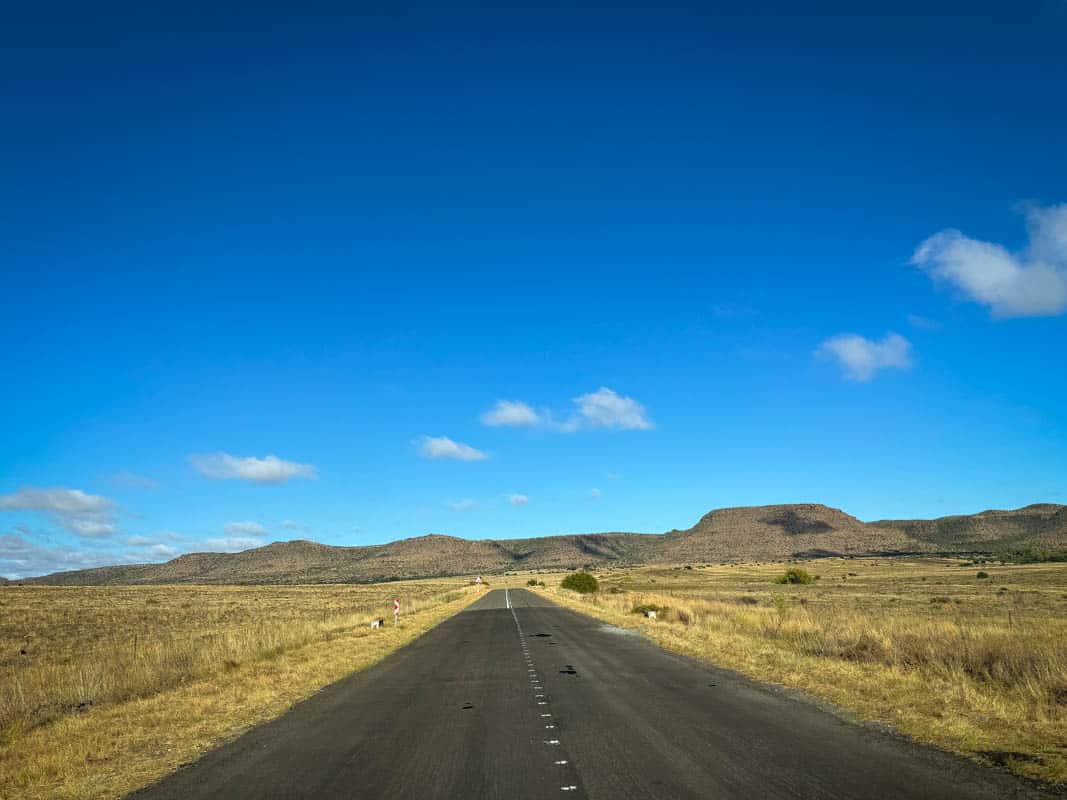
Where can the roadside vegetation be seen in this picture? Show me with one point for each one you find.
(975, 666)
(581, 582)
(105, 689)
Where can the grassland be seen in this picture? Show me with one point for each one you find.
(976, 665)
(105, 689)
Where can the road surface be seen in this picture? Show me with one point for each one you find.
(518, 698)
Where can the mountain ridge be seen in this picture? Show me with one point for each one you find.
(740, 533)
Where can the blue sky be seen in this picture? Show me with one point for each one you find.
(268, 274)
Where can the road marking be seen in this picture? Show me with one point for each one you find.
(507, 598)
(552, 742)
(560, 763)
(568, 788)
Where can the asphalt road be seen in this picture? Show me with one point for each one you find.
(535, 701)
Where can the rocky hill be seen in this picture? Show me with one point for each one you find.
(753, 533)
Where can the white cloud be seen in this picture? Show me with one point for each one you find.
(441, 447)
(605, 408)
(271, 469)
(518, 499)
(861, 358)
(594, 494)
(21, 558)
(293, 525)
(463, 505)
(1032, 283)
(89, 515)
(245, 528)
(511, 413)
(159, 550)
(150, 548)
(232, 544)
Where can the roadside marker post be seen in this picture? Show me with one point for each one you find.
(396, 613)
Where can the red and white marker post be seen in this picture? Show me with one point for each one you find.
(396, 612)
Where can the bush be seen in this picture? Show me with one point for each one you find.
(794, 575)
(531, 582)
(982, 575)
(581, 582)
(661, 611)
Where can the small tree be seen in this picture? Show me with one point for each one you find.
(794, 575)
(531, 582)
(581, 582)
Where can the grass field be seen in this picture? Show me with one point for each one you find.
(976, 665)
(104, 689)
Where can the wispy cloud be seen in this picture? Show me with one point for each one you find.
(518, 499)
(1032, 283)
(511, 413)
(441, 447)
(271, 469)
(21, 558)
(463, 505)
(923, 323)
(148, 548)
(293, 525)
(89, 515)
(595, 494)
(604, 408)
(245, 528)
(124, 479)
(862, 358)
(231, 544)
(139, 541)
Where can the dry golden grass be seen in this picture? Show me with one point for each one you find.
(120, 685)
(974, 665)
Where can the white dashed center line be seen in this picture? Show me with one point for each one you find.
(536, 686)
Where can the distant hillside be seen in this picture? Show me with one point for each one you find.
(1042, 525)
(760, 533)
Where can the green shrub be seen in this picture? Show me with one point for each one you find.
(531, 582)
(661, 611)
(982, 575)
(794, 575)
(581, 582)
